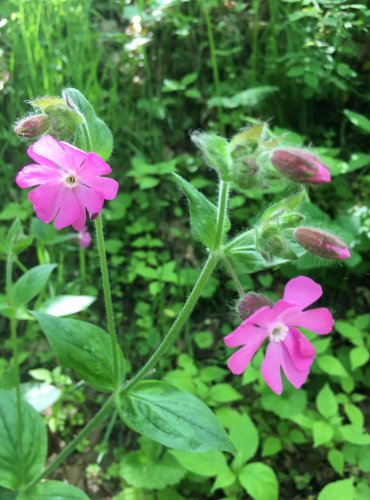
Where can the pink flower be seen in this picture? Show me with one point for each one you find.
(68, 181)
(288, 348)
(299, 165)
(85, 238)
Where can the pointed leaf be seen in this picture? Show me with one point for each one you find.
(31, 284)
(174, 418)
(53, 490)
(84, 347)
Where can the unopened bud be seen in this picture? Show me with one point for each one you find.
(291, 219)
(321, 243)
(84, 237)
(251, 303)
(300, 166)
(32, 126)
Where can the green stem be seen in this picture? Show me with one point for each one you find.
(107, 296)
(234, 276)
(82, 255)
(179, 323)
(94, 422)
(223, 197)
(14, 343)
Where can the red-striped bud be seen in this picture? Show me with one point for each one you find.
(32, 126)
(299, 165)
(321, 243)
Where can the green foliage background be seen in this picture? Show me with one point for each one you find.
(148, 69)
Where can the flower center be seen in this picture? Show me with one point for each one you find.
(278, 332)
(70, 179)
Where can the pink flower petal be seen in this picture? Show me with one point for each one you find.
(104, 185)
(90, 199)
(246, 333)
(296, 377)
(47, 151)
(94, 166)
(74, 157)
(301, 351)
(270, 368)
(80, 222)
(238, 362)
(33, 175)
(70, 210)
(302, 291)
(46, 201)
(317, 320)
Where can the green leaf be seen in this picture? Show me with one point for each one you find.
(216, 152)
(243, 432)
(359, 120)
(31, 284)
(84, 347)
(290, 204)
(271, 446)
(331, 365)
(336, 460)
(203, 214)
(101, 138)
(224, 393)
(326, 402)
(259, 481)
(338, 490)
(174, 418)
(53, 490)
(322, 433)
(62, 305)
(207, 464)
(21, 457)
(355, 415)
(358, 356)
(352, 434)
(144, 471)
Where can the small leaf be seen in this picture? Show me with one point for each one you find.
(271, 446)
(21, 457)
(216, 152)
(358, 356)
(359, 120)
(62, 305)
(259, 481)
(174, 418)
(100, 136)
(53, 490)
(352, 434)
(322, 433)
(331, 365)
(31, 284)
(203, 214)
(206, 464)
(83, 347)
(224, 393)
(336, 460)
(326, 402)
(338, 490)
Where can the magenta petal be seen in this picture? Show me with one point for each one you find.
(46, 201)
(90, 199)
(317, 320)
(106, 186)
(70, 210)
(295, 376)
(74, 157)
(33, 175)
(94, 166)
(80, 222)
(301, 351)
(246, 333)
(270, 368)
(238, 362)
(302, 291)
(47, 151)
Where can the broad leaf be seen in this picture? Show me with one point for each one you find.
(338, 490)
(21, 457)
(100, 136)
(203, 214)
(31, 284)
(53, 490)
(326, 402)
(259, 481)
(174, 418)
(84, 347)
(216, 152)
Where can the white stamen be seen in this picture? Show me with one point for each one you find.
(278, 332)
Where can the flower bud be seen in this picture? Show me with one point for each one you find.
(84, 237)
(321, 243)
(33, 126)
(300, 166)
(250, 303)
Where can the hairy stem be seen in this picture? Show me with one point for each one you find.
(234, 276)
